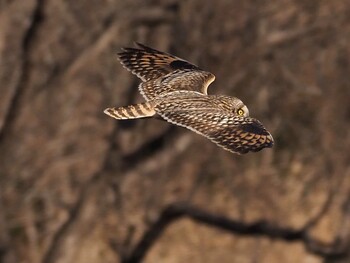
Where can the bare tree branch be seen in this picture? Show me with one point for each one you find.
(75, 210)
(35, 22)
(260, 228)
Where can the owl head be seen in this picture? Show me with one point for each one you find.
(233, 105)
(241, 110)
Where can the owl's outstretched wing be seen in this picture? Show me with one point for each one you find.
(162, 72)
(148, 63)
(233, 133)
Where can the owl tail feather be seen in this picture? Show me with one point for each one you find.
(141, 110)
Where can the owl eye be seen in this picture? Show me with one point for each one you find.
(240, 112)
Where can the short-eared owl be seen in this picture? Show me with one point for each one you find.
(176, 90)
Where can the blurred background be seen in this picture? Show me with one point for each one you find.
(78, 186)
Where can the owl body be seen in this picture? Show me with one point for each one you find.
(176, 90)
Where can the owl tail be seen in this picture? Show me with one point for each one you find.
(141, 110)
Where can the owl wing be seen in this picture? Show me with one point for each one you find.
(162, 72)
(233, 133)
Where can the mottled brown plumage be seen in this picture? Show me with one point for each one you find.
(176, 90)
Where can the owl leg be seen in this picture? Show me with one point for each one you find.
(141, 110)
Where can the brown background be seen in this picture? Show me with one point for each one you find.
(78, 186)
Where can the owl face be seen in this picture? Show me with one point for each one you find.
(237, 106)
(242, 110)
(231, 105)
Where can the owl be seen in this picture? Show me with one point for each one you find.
(177, 91)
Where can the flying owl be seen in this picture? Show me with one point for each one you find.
(176, 91)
